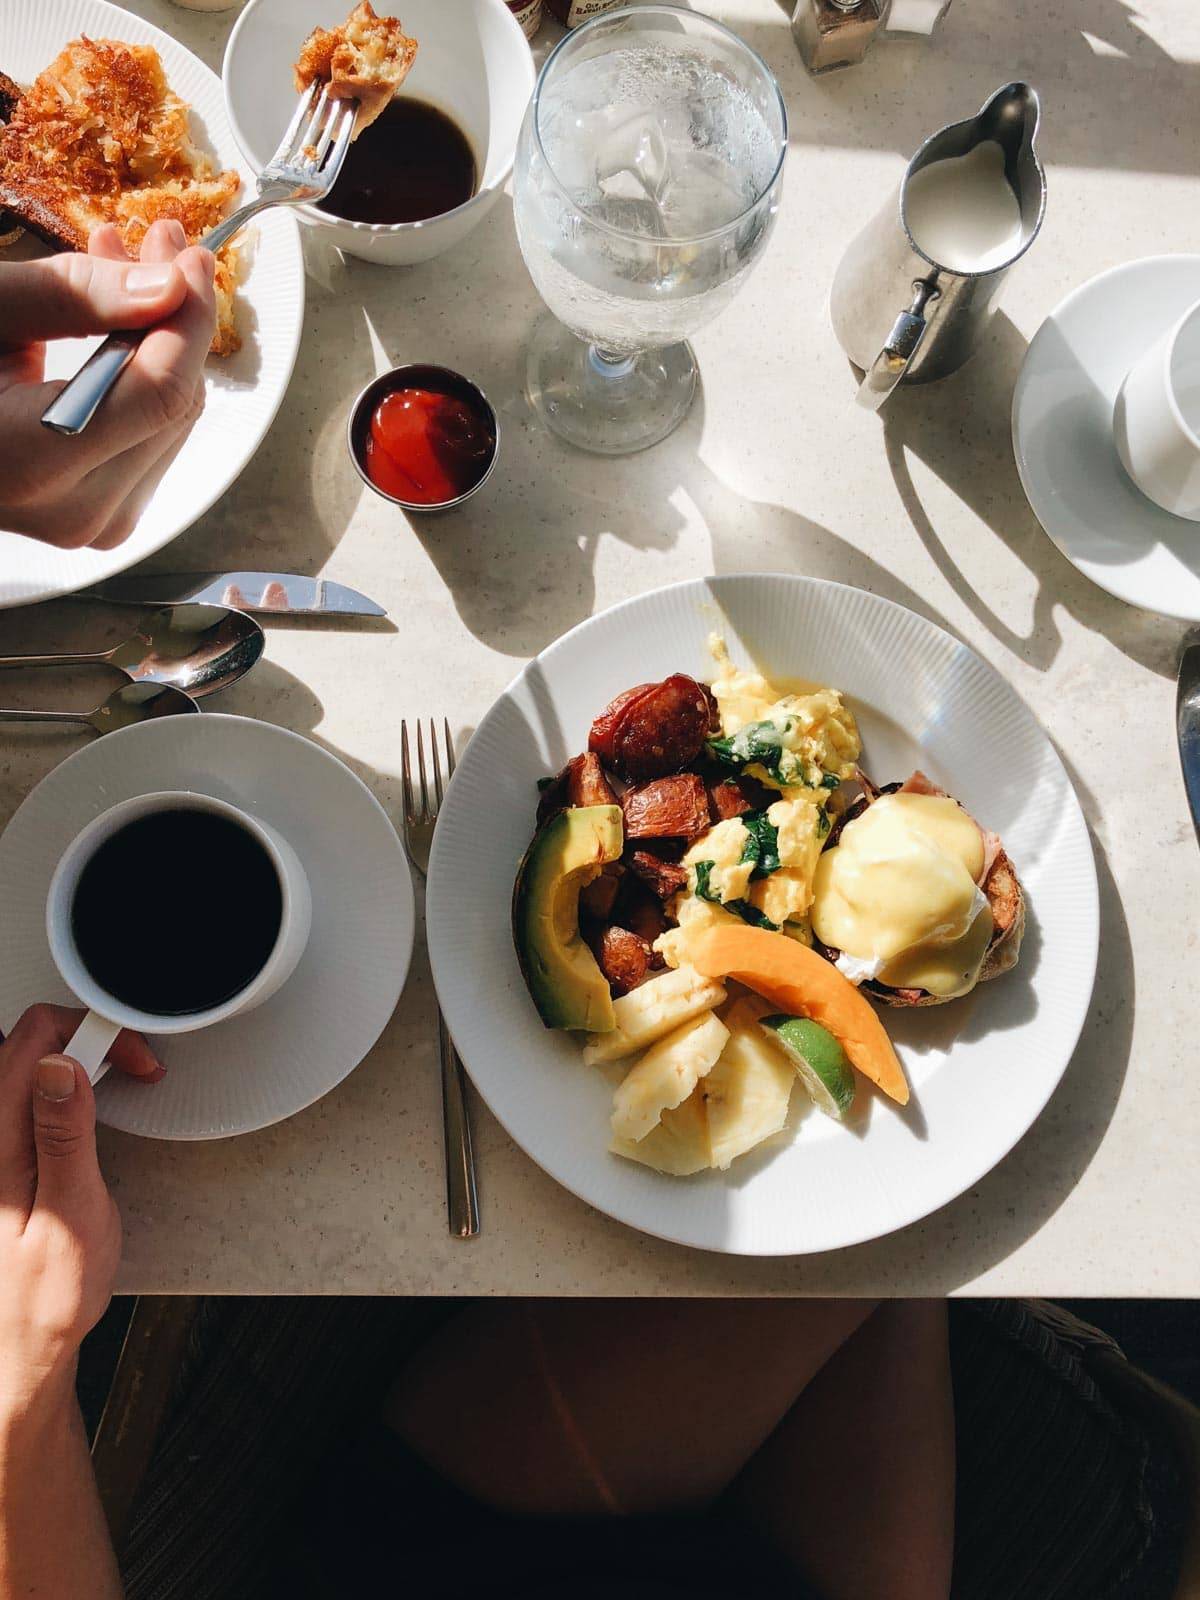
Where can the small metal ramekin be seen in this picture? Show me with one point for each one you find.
(441, 380)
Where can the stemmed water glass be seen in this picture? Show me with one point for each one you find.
(647, 179)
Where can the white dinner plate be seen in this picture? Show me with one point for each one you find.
(244, 390)
(268, 1064)
(981, 1068)
(1063, 436)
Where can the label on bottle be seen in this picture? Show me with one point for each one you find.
(573, 12)
(528, 13)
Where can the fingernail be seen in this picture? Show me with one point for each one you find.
(55, 1078)
(145, 282)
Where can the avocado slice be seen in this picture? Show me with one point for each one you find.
(567, 986)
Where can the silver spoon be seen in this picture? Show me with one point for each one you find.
(197, 648)
(135, 702)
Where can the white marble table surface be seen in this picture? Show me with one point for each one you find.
(775, 469)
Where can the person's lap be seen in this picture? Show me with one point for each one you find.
(825, 1427)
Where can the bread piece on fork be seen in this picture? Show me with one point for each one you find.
(366, 58)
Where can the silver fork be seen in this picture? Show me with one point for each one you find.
(305, 167)
(461, 1201)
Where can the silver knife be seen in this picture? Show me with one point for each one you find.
(278, 593)
(1187, 715)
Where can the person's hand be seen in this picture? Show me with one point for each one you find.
(60, 1236)
(90, 489)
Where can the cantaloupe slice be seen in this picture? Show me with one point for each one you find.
(804, 984)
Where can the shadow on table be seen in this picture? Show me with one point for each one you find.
(518, 560)
(1097, 70)
(960, 429)
(954, 1246)
(984, 1226)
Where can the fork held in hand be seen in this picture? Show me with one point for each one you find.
(305, 167)
(419, 818)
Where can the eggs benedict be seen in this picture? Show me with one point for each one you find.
(914, 900)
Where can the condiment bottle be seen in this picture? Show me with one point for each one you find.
(528, 13)
(572, 12)
(835, 33)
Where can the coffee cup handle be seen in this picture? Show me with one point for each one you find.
(90, 1044)
(899, 348)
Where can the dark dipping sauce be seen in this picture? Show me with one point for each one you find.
(426, 438)
(177, 912)
(411, 164)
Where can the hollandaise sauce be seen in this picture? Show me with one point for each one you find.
(899, 895)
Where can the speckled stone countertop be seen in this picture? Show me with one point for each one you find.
(775, 469)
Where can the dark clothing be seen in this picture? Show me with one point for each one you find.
(273, 1481)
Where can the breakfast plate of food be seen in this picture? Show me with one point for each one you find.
(782, 945)
(104, 117)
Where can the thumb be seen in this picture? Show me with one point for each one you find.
(64, 1135)
(68, 296)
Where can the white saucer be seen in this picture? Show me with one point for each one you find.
(272, 1062)
(1062, 436)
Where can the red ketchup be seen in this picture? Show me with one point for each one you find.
(427, 448)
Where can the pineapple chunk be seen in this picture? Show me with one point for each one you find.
(747, 1092)
(666, 1075)
(649, 1012)
(678, 1146)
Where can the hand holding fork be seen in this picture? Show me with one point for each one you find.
(304, 168)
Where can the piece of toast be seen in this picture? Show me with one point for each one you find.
(10, 93)
(366, 58)
(99, 136)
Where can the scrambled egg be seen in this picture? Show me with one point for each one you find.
(799, 744)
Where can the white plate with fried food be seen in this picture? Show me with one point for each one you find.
(175, 156)
(801, 1145)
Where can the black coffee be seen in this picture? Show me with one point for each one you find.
(412, 163)
(177, 911)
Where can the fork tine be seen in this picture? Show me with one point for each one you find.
(426, 815)
(304, 108)
(437, 761)
(307, 140)
(449, 746)
(345, 132)
(329, 121)
(410, 813)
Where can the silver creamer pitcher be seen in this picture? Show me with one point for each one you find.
(900, 314)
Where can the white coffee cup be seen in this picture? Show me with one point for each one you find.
(1156, 420)
(106, 1014)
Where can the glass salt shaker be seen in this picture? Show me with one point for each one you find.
(835, 33)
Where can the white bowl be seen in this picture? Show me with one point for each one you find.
(473, 62)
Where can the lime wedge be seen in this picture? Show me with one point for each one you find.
(819, 1060)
